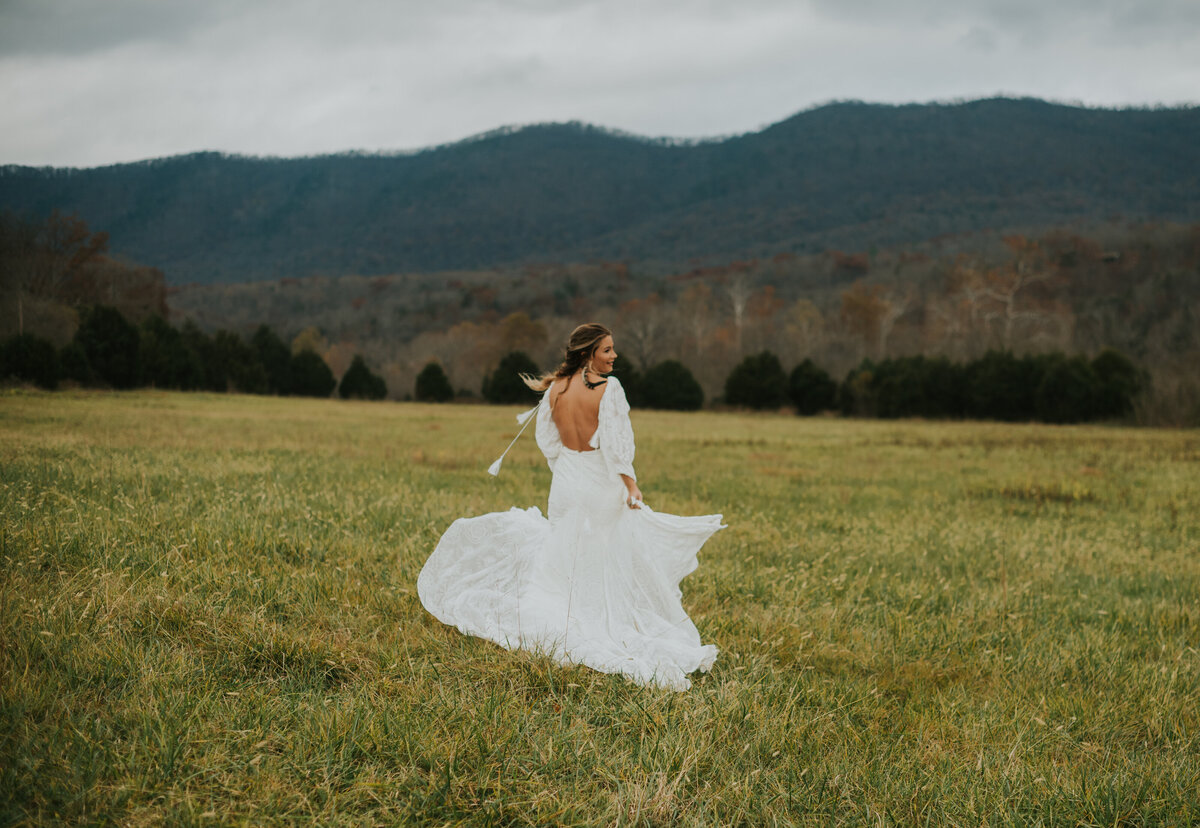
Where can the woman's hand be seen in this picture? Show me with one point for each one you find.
(633, 495)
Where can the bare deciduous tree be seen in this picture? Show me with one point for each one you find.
(697, 317)
(738, 290)
(641, 329)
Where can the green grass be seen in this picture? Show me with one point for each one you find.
(208, 616)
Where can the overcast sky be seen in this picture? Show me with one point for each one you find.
(90, 82)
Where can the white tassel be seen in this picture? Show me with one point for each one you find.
(525, 418)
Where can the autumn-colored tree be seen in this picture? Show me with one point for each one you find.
(340, 356)
(863, 309)
(762, 309)
(518, 332)
(804, 325)
(853, 263)
(467, 350)
(137, 292)
(66, 247)
(46, 262)
(310, 339)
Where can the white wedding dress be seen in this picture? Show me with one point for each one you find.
(596, 584)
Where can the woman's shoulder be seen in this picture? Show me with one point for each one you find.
(613, 387)
(614, 394)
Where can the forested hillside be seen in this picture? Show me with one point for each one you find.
(1134, 287)
(849, 176)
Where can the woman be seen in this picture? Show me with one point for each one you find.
(598, 582)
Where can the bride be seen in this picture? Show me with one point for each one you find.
(598, 582)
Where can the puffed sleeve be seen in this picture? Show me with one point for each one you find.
(614, 435)
(547, 432)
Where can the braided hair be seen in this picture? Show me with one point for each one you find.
(580, 348)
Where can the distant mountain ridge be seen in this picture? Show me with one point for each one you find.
(846, 175)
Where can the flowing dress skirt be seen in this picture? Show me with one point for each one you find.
(596, 584)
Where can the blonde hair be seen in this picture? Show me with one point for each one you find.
(579, 350)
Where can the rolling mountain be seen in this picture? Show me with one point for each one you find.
(846, 175)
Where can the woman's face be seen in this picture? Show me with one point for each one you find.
(604, 356)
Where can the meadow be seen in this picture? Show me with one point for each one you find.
(208, 616)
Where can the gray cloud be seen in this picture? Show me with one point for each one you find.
(73, 27)
(88, 83)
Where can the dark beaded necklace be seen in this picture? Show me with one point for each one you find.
(596, 384)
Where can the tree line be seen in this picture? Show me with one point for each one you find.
(1048, 387)
(107, 350)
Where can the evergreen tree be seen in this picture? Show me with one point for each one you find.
(999, 386)
(811, 389)
(200, 345)
(1120, 382)
(29, 358)
(275, 357)
(945, 388)
(504, 385)
(917, 387)
(111, 345)
(757, 382)
(358, 382)
(73, 363)
(854, 396)
(1068, 391)
(631, 381)
(239, 363)
(310, 376)
(164, 360)
(671, 386)
(432, 385)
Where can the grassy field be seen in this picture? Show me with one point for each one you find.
(208, 616)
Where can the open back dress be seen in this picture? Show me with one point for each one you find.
(593, 583)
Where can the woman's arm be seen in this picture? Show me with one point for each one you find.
(615, 438)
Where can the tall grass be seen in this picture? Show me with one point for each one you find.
(208, 616)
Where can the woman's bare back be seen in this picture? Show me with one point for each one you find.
(576, 412)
